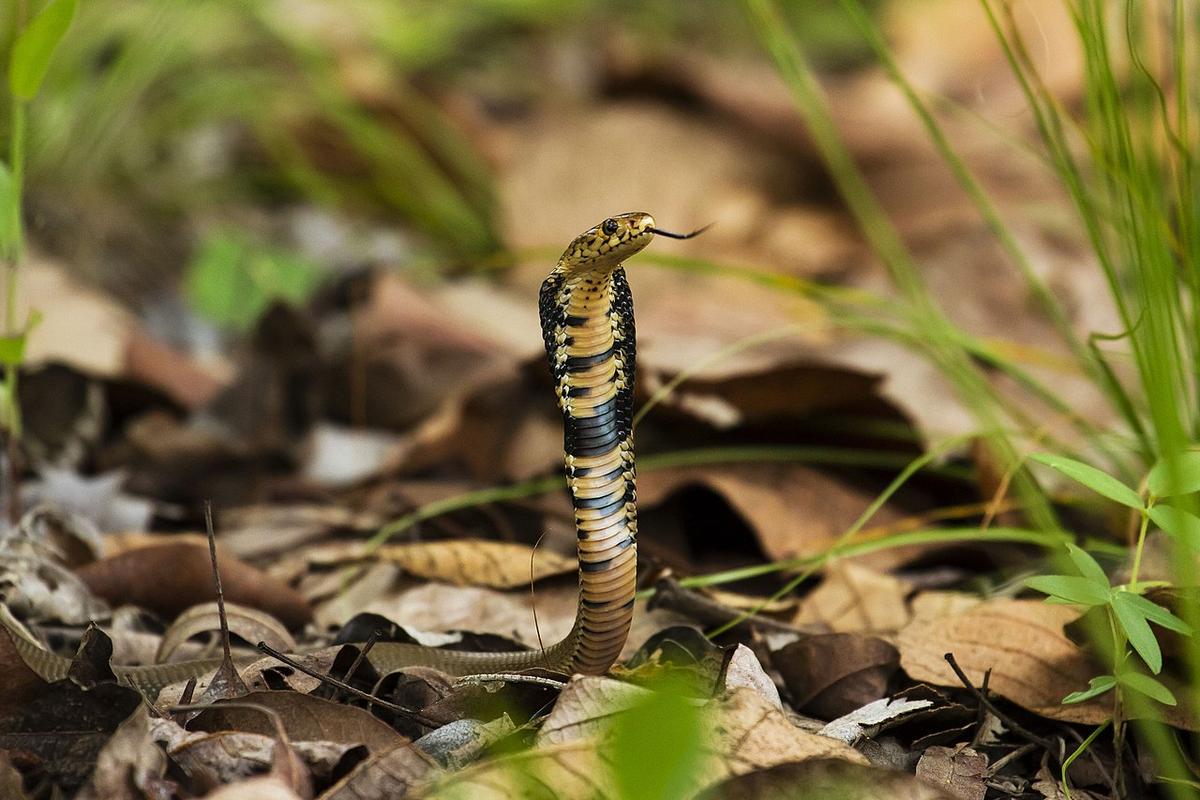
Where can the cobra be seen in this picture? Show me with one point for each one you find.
(586, 311)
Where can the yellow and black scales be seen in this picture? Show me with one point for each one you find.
(586, 312)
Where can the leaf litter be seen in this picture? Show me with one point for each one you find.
(852, 668)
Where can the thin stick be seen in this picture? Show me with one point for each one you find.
(416, 716)
(212, 554)
(1049, 745)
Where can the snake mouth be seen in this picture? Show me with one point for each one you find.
(661, 232)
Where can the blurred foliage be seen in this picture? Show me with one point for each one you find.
(232, 279)
(189, 106)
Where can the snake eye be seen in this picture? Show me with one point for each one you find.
(609, 226)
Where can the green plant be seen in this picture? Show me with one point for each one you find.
(233, 278)
(1128, 614)
(1126, 157)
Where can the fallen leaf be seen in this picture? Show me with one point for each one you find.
(129, 761)
(65, 727)
(959, 771)
(853, 598)
(12, 782)
(821, 778)
(397, 772)
(871, 718)
(742, 731)
(1021, 642)
(829, 675)
(463, 562)
(176, 574)
(304, 717)
(745, 671)
(267, 787)
(251, 625)
(21, 684)
(793, 510)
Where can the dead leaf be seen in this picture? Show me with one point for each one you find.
(853, 598)
(1032, 662)
(176, 574)
(130, 766)
(391, 773)
(21, 684)
(959, 771)
(267, 787)
(79, 326)
(821, 778)
(250, 624)
(743, 732)
(150, 362)
(463, 562)
(586, 708)
(830, 675)
(461, 742)
(745, 671)
(92, 664)
(1048, 786)
(573, 769)
(65, 727)
(304, 717)
(11, 781)
(872, 718)
(406, 356)
(793, 510)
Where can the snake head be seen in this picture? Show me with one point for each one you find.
(606, 245)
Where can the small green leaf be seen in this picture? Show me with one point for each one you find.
(1091, 477)
(1179, 475)
(12, 350)
(232, 279)
(1087, 565)
(1098, 685)
(1071, 589)
(1182, 525)
(31, 52)
(1157, 614)
(1151, 687)
(1138, 630)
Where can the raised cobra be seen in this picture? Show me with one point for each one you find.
(586, 312)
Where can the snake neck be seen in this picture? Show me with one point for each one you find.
(587, 325)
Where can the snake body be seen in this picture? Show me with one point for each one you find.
(586, 311)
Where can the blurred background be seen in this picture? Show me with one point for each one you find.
(284, 248)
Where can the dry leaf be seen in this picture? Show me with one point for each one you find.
(853, 598)
(743, 732)
(833, 674)
(304, 717)
(177, 574)
(1032, 662)
(959, 771)
(463, 562)
(793, 510)
(267, 787)
(745, 671)
(824, 779)
(20, 684)
(573, 769)
(387, 774)
(250, 624)
(129, 760)
(870, 719)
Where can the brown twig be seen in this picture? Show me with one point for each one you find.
(416, 716)
(1050, 745)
